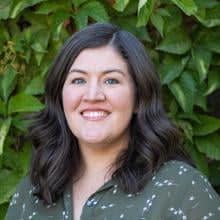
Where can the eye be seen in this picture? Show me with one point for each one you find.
(78, 81)
(111, 81)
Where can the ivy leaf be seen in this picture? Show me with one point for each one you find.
(141, 4)
(20, 123)
(35, 87)
(130, 9)
(200, 98)
(10, 179)
(3, 208)
(51, 7)
(120, 5)
(209, 17)
(130, 25)
(40, 39)
(206, 4)
(3, 132)
(38, 47)
(163, 12)
(214, 173)
(18, 161)
(206, 126)
(158, 22)
(58, 19)
(5, 7)
(215, 60)
(170, 23)
(184, 90)
(188, 6)
(40, 43)
(77, 3)
(19, 5)
(202, 59)
(192, 117)
(39, 57)
(81, 19)
(8, 82)
(213, 81)
(24, 103)
(209, 145)
(187, 129)
(145, 9)
(94, 10)
(209, 39)
(176, 42)
(198, 157)
(171, 68)
(4, 35)
(2, 108)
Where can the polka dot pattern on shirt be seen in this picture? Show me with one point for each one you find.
(176, 192)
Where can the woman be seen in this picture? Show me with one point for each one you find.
(103, 146)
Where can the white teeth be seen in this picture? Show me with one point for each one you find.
(94, 114)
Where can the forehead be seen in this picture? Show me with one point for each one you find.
(100, 59)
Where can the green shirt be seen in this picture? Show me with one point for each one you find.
(177, 191)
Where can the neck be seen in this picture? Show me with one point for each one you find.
(98, 161)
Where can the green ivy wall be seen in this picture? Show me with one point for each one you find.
(182, 36)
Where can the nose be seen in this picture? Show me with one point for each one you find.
(94, 92)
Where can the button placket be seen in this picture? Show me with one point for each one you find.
(91, 205)
(89, 208)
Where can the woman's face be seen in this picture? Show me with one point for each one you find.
(98, 98)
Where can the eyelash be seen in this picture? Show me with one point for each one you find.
(109, 81)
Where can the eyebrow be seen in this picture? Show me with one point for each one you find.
(104, 72)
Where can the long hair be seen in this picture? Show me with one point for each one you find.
(153, 138)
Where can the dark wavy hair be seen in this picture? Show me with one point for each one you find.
(153, 138)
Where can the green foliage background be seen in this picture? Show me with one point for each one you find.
(182, 36)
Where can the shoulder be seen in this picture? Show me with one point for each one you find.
(176, 177)
(183, 177)
(23, 188)
(21, 197)
(182, 173)
(185, 192)
(24, 184)
(176, 169)
(25, 205)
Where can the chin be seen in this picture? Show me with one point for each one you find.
(93, 139)
(96, 141)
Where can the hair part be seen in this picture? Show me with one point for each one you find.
(153, 140)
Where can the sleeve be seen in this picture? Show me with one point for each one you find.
(18, 201)
(195, 198)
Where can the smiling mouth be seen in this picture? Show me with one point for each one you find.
(94, 115)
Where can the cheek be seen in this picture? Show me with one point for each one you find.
(124, 101)
(66, 99)
(70, 99)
